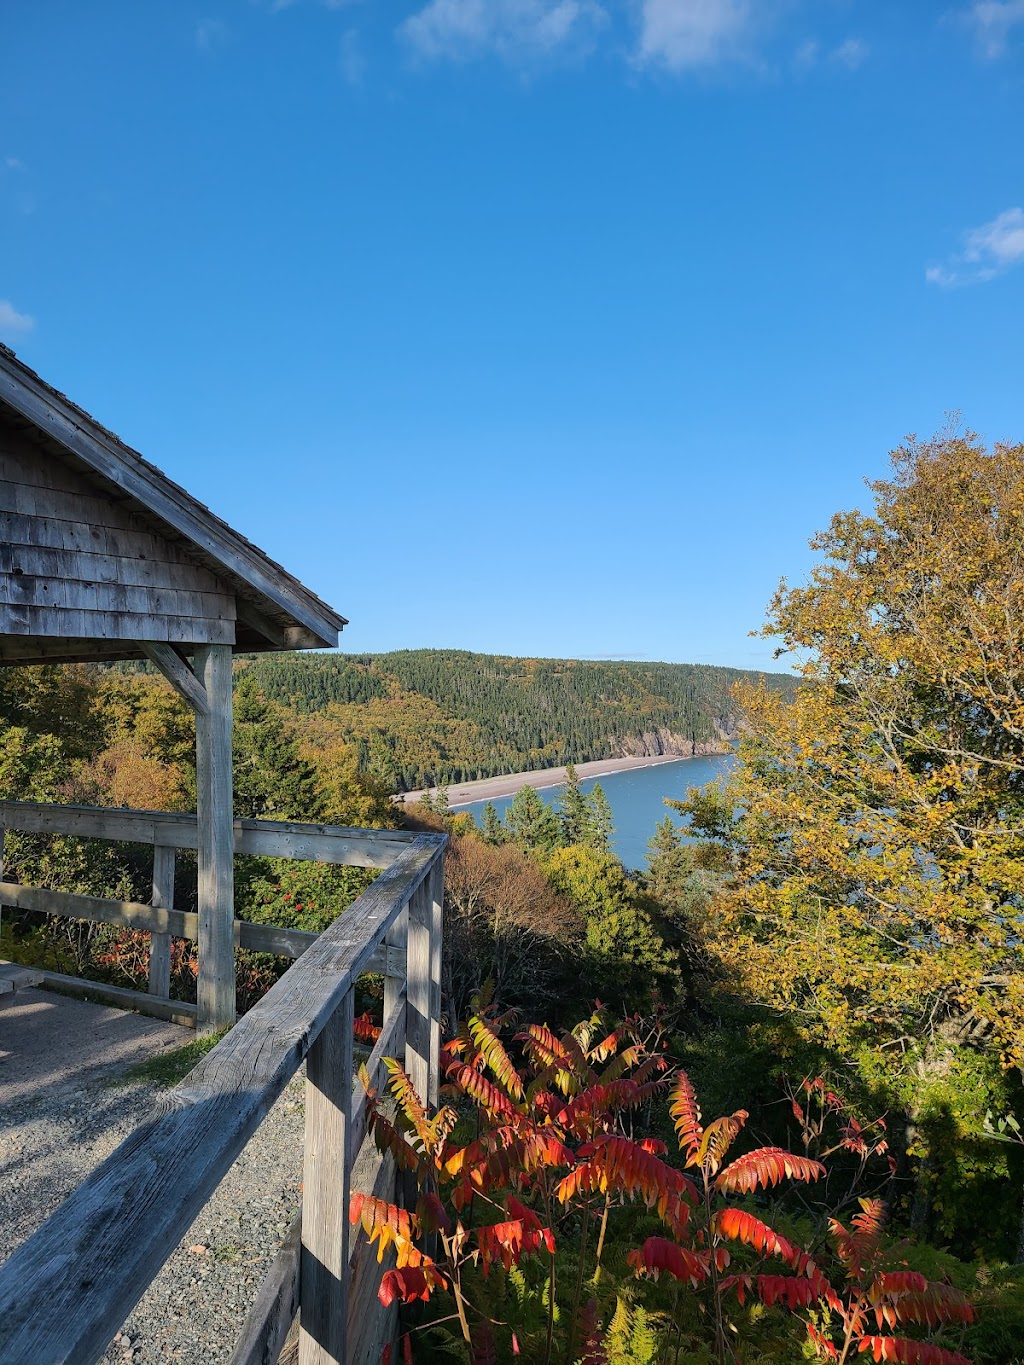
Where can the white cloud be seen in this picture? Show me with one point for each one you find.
(512, 29)
(993, 22)
(13, 323)
(210, 34)
(682, 34)
(989, 251)
(11, 163)
(851, 53)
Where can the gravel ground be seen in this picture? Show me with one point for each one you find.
(65, 1105)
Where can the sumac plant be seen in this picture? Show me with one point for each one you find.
(706, 1222)
(876, 1300)
(550, 1134)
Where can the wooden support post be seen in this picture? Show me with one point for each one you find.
(435, 888)
(216, 986)
(324, 1273)
(417, 1038)
(160, 944)
(395, 970)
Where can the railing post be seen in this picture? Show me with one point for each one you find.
(436, 891)
(396, 943)
(324, 1274)
(417, 1035)
(215, 992)
(160, 944)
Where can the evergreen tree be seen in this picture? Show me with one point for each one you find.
(491, 831)
(532, 823)
(600, 825)
(666, 838)
(441, 802)
(573, 812)
(271, 778)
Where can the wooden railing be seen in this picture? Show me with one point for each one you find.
(66, 1291)
(167, 833)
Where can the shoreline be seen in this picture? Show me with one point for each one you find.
(497, 788)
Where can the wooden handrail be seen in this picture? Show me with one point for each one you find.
(263, 838)
(65, 1292)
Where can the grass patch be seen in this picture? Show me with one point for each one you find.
(170, 1067)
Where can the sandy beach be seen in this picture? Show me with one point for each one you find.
(493, 788)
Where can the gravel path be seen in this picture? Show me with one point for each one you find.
(65, 1104)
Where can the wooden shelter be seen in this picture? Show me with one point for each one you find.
(102, 557)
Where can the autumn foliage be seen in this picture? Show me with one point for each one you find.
(541, 1136)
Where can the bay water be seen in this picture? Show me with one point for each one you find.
(636, 796)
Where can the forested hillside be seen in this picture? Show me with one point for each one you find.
(431, 716)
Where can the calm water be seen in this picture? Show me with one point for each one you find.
(637, 799)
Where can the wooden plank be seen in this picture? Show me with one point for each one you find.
(63, 622)
(72, 594)
(14, 977)
(268, 838)
(270, 1318)
(173, 1011)
(370, 1325)
(160, 944)
(435, 890)
(146, 485)
(71, 905)
(323, 1277)
(91, 566)
(78, 536)
(417, 1034)
(65, 1291)
(179, 674)
(216, 894)
(157, 920)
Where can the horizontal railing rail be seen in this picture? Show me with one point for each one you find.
(263, 838)
(167, 833)
(67, 1290)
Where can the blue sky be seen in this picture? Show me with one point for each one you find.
(546, 327)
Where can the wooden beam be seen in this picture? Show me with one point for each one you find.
(160, 944)
(266, 838)
(417, 1035)
(178, 673)
(156, 919)
(323, 1278)
(173, 1011)
(65, 1291)
(216, 985)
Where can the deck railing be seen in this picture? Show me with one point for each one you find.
(167, 833)
(66, 1291)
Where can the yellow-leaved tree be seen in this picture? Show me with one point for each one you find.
(874, 826)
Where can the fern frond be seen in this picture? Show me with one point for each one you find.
(546, 1051)
(658, 1255)
(904, 1296)
(623, 1166)
(492, 1050)
(483, 1091)
(766, 1167)
(736, 1225)
(685, 1114)
(718, 1138)
(858, 1246)
(409, 1103)
(910, 1352)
